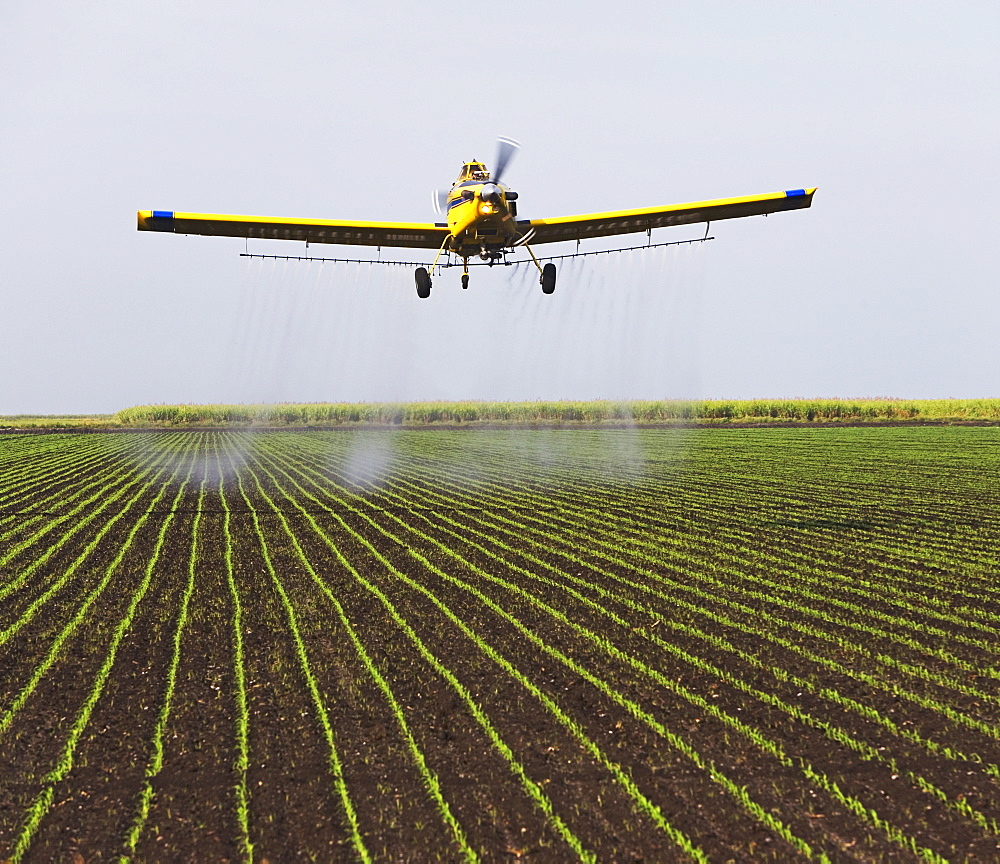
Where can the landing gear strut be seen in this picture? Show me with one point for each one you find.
(423, 283)
(465, 273)
(548, 272)
(424, 278)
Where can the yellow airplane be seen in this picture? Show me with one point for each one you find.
(481, 220)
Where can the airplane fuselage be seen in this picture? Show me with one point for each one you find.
(481, 214)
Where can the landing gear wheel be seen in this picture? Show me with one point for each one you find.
(465, 280)
(423, 283)
(548, 279)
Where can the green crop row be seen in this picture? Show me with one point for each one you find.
(677, 741)
(155, 763)
(81, 612)
(336, 762)
(799, 588)
(44, 799)
(534, 790)
(788, 620)
(242, 761)
(723, 580)
(429, 778)
(27, 473)
(852, 803)
(411, 497)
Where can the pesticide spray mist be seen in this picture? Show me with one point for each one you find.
(620, 326)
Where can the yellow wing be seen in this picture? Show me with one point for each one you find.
(629, 221)
(411, 234)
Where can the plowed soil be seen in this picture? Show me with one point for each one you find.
(537, 645)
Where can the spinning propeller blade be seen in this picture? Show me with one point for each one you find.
(506, 148)
(439, 198)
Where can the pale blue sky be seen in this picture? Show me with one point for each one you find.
(887, 286)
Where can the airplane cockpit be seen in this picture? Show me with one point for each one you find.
(474, 171)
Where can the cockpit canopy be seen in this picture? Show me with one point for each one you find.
(475, 171)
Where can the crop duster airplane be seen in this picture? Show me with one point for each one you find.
(481, 220)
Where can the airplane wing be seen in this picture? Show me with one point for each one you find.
(629, 221)
(415, 235)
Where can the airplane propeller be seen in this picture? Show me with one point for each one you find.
(439, 198)
(506, 148)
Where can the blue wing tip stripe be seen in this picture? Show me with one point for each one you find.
(163, 214)
(795, 193)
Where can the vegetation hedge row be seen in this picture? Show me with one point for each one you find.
(664, 411)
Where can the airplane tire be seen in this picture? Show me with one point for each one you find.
(423, 283)
(549, 278)
(465, 280)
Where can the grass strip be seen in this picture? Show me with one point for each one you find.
(587, 412)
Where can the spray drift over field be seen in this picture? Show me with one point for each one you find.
(620, 326)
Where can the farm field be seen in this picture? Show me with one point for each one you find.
(496, 645)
